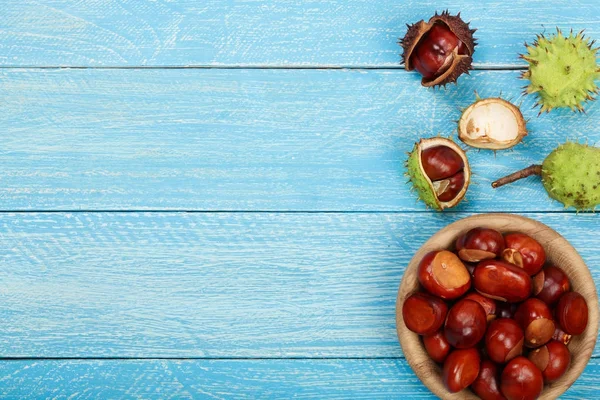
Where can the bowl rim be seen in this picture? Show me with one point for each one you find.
(583, 345)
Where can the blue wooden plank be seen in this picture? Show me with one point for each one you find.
(216, 285)
(225, 379)
(262, 32)
(250, 139)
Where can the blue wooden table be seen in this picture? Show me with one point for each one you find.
(205, 199)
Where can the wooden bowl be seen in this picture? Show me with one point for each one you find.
(558, 252)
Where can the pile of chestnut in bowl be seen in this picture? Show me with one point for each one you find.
(509, 335)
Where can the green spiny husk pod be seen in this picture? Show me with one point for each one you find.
(562, 71)
(570, 174)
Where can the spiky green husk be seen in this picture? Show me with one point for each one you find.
(571, 175)
(562, 71)
(419, 181)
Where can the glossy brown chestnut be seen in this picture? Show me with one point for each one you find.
(549, 284)
(561, 335)
(480, 244)
(448, 188)
(423, 313)
(504, 340)
(441, 162)
(437, 346)
(572, 313)
(521, 380)
(524, 252)
(442, 274)
(534, 316)
(489, 305)
(502, 281)
(465, 324)
(433, 55)
(460, 369)
(441, 49)
(505, 310)
(487, 384)
(553, 360)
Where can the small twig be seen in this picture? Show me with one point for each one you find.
(524, 173)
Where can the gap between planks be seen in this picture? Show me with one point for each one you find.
(383, 212)
(8, 359)
(253, 66)
(2, 359)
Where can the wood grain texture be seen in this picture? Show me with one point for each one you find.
(558, 252)
(250, 140)
(262, 32)
(216, 285)
(222, 379)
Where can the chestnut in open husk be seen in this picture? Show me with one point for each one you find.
(439, 171)
(440, 49)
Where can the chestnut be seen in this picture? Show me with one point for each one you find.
(504, 340)
(561, 335)
(437, 346)
(460, 369)
(489, 305)
(553, 360)
(442, 274)
(502, 281)
(487, 384)
(572, 313)
(423, 313)
(534, 316)
(433, 55)
(505, 310)
(521, 380)
(441, 49)
(465, 324)
(549, 284)
(480, 244)
(441, 162)
(524, 252)
(447, 189)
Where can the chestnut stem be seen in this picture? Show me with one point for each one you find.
(524, 173)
